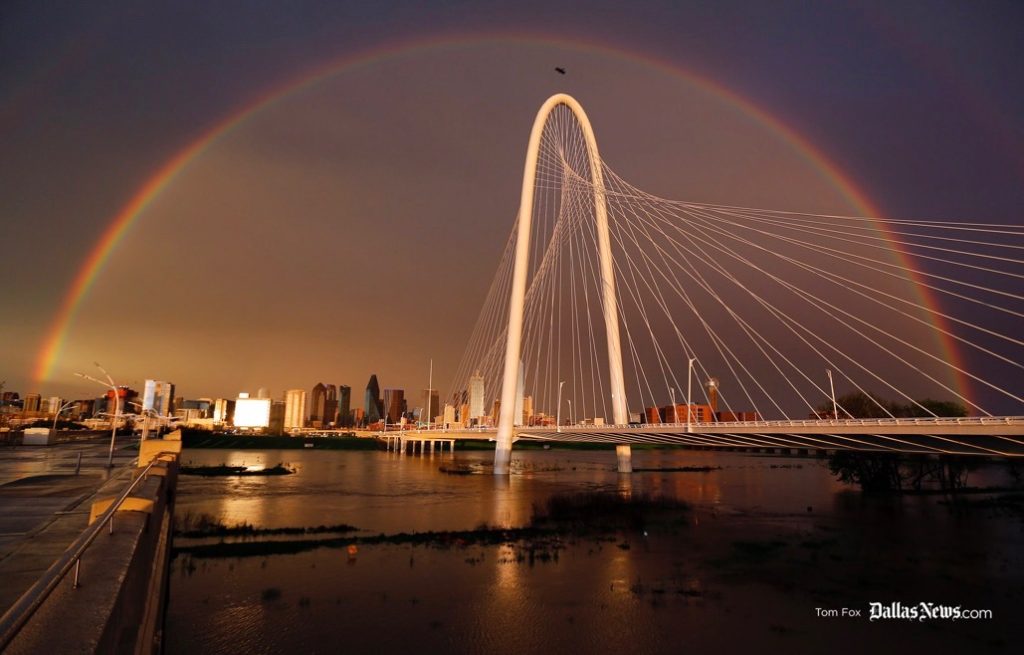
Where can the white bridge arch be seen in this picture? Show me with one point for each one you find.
(510, 377)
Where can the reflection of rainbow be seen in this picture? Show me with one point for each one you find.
(136, 206)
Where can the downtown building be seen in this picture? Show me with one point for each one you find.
(372, 404)
(294, 409)
(394, 405)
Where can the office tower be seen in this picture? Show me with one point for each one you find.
(317, 400)
(449, 415)
(158, 396)
(125, 398)
(294, 408)
(330, 405)
(371, 401)
(252, 413)
(223, 410)
(32, 402)
(527, 409)
(394, 401)
(275, 420)
(476, 395)
(431, 405)
(344, 405)
(53, 404)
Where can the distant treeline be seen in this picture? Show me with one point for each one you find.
(869, 405)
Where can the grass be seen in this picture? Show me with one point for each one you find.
(679, 469)
(574, 515)
(604, 509)
(201, 440)
(204, 525)
(222, 470)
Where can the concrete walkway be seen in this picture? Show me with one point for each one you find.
(44, 505)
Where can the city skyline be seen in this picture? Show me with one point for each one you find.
(281, 180)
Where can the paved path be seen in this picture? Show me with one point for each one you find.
(44, 505)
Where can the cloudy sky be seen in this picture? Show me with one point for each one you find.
(349, 218)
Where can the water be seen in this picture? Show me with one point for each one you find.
(768, 540)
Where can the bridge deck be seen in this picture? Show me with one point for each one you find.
(1001, 436)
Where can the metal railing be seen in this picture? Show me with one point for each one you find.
(20, 613)
(939, 421)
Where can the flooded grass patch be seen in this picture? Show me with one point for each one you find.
(194, 526)
(223, 470)
(606, 510)
(679, 469)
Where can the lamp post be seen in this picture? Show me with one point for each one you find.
(117, 407)
(57, 414)
(675, 411)
(572, 415)
(558, 412)
(832, 388)
(689, 384)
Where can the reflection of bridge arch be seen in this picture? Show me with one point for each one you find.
(510, 377)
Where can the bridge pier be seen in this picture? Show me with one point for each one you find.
(624, 458)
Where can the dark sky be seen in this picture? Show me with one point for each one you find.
(353, 227)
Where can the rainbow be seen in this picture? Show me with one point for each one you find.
(56, 336)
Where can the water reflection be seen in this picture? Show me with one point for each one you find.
(768, 539)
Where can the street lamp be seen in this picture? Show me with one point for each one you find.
(558, 412)
(675, 410)
(57, 414)
(572, 414)
(689, 384)
(117, 407)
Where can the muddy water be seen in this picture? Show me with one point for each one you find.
(768, 541)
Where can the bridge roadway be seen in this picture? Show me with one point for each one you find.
(993, 436)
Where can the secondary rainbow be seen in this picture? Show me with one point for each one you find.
(55, 337)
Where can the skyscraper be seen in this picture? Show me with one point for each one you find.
(344, 405)
(476, 396)
(316, 401)
(371, 400)
(527, 409)
(31, 402)
(294, 408)
(158, 396)
(394, 400)
(330, 405)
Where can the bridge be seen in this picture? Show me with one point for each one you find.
(601, 282)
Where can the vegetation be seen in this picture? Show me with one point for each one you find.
(877, 472)
(894, 472)
(225, 470)
(203, 439)
(679, 469)
(595, 514)
(604, 510)
(869, 405)
(204, 525)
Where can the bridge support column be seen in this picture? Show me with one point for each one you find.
(624, 457)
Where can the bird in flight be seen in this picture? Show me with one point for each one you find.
(561, 71)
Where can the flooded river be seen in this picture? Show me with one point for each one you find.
(766, 545)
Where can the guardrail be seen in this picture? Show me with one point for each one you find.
(784, 423)
(20, 613)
